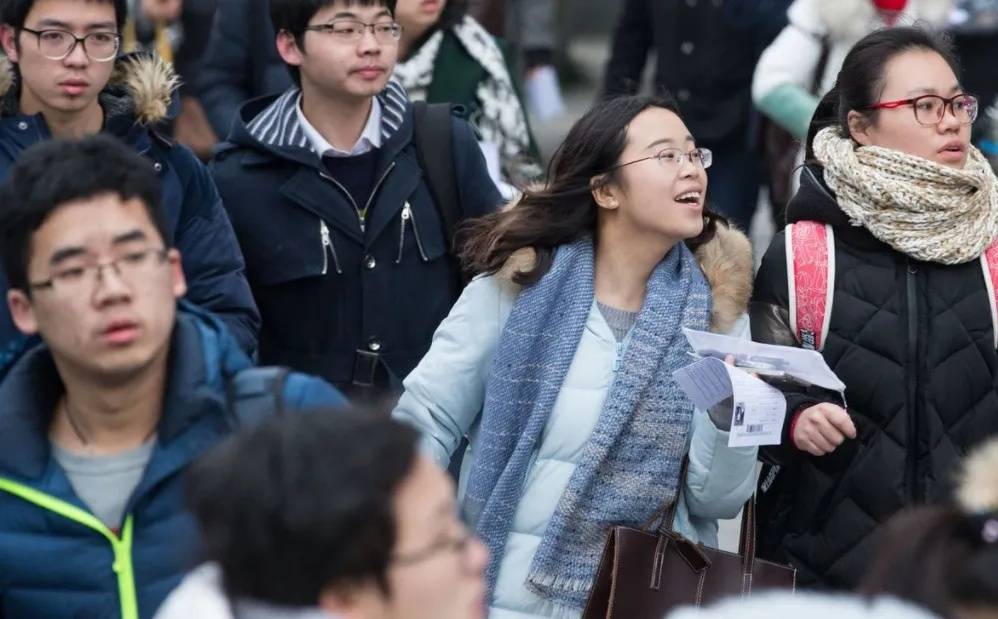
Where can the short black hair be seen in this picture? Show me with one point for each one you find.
(54, 172)
(303, 502)
(294, 15)
(14, 12)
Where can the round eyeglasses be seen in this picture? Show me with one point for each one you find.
(930, 109)
(58, 44)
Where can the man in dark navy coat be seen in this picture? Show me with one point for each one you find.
(345, 248)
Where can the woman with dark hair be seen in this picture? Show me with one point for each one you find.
(557, 360)
(448, 57)
(911, 207)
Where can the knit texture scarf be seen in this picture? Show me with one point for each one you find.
(920, 208)
(630, 465)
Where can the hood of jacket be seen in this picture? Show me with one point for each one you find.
(851, 20)
(141, 90)
(202, 356)
(270, 126)
(726, 261)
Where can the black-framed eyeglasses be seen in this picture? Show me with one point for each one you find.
(352, 31)
(458, 544)
(57, 44)
(672, 158)
(130, 267)
(930, 109)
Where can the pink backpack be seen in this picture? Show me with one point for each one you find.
(810, 248)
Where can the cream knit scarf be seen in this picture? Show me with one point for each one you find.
(920, 208)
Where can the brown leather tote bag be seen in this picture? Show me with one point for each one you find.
(645, 574)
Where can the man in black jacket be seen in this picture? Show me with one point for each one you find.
(346, 250)
(706, 51)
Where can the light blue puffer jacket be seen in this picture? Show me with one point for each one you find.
(443, 398)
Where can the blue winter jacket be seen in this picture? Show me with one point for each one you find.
(56, 559)
(196, 221)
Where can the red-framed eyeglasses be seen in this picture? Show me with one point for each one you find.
(930, 109)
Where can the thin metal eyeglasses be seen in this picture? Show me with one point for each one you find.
(128, 267)
(930, 109)
(350, 31)
(674, 157)
(58, 44)
(449, 544)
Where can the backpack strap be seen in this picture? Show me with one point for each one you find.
(256, 393)
(810, 248)
(433, 135)
(989, 263)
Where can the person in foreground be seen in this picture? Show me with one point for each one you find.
(912, 207)
(334, 514)
(126, 390)
(557, 360)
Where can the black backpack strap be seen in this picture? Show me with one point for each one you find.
(256, 393)
(433, 136)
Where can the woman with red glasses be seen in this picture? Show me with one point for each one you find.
(895, 211)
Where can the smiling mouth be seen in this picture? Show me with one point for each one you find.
(689, 197)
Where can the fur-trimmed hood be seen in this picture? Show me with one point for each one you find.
(142, 85)
(851, 20)
(726, 261)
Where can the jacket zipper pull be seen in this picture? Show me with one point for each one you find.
(406, 215)
(415, 230)
(327, 248)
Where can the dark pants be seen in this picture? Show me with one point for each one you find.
(734, 179)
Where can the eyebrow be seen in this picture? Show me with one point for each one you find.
(50, 22)
(76, 251)
(932, 91)
(689, 138)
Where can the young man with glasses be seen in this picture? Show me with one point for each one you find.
(68, 81)
(368, 529)
(346, 245)
(126, 390)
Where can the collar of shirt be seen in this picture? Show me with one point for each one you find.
(369, 139)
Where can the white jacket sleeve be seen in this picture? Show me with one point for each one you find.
(444, 394)
(784, 75)
(720, 478)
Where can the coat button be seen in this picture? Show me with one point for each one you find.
(374, 344)
(23, 126)
(687, 47)
(157, 166)
(370, 262)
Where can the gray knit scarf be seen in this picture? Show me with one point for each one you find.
(920, 208)
(630, 465)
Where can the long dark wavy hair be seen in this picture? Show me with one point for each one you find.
(564, 210)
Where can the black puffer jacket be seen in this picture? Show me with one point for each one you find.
(913, 342)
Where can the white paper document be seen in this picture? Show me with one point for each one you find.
(757, 409)
(807, 367)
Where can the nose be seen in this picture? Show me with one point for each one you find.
(77, 56)
(110, 287)
(477, 557)
(368, 42)
(949, 122)
(688, 169)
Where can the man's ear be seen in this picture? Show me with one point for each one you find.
(288, 49)
(22, 312)
(859, 128)
(604, 192)
(8, 38)
(177, 273)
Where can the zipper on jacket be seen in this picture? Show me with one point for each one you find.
(120, 546)
(404, 219)
(361, 213)
(409, 215)
(912, 378)
(328, 248)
